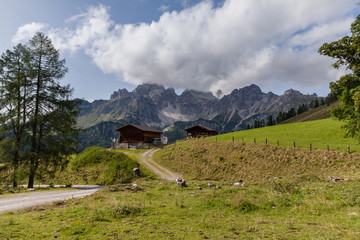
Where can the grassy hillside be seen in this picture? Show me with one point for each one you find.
(95, 165)
(286, 196)
(319, 133)
(318, 113)
(203, 159)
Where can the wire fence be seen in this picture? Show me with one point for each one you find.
(345, 148)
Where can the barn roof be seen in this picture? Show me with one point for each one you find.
(142, 128)
(205, 128)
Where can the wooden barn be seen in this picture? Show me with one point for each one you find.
(137, 135)
(199, 131)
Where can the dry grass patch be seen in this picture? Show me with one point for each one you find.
(202, 159)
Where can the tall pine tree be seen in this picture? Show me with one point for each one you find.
(53, 115)
(37, 113)
(14, 104)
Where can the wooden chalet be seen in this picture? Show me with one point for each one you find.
(199, 131)
(137, 135)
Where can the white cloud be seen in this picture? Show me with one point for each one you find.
(25, 32)
(164, 8)
(204, 47)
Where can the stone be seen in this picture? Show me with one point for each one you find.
(199, 188)
(210, 185)
(240, 184)
(136, 173)
(218, 187)
(333, 179)
(180, 182)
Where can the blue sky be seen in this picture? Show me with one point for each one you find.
(202, 45)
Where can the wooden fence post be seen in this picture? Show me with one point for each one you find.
(254, 140)
(278, 143)
(348, 149)
(310, 147)
(242, 139)
(233, 138)
(294, 145)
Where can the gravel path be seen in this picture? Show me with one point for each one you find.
(24, 200)
(146, 160)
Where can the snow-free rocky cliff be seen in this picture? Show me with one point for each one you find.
(156, 106)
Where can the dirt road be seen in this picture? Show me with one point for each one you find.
(24, 200)
(146, 160)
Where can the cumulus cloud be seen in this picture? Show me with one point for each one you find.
(25, 32)
(208, 47)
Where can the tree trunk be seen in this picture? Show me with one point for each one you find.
(34, 155)
(32, 173)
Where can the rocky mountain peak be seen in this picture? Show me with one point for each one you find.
(154, 105)
(292, 93)
(119, 94)
(189, 93)
(148, 89)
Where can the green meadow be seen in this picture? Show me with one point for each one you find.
(281, 192)
(318, 133)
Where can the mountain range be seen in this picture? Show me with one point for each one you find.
(160, 107)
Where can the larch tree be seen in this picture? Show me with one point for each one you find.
(53, 115)
(37, 113)
(14, 104)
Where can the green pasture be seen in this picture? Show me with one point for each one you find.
(319, 134)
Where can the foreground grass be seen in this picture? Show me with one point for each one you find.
(203, 159)
(319, 133)
(303, 208)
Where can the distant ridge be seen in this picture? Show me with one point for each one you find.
(154, 105)
(318, 113)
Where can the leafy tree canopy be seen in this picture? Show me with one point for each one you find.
(346, 51)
